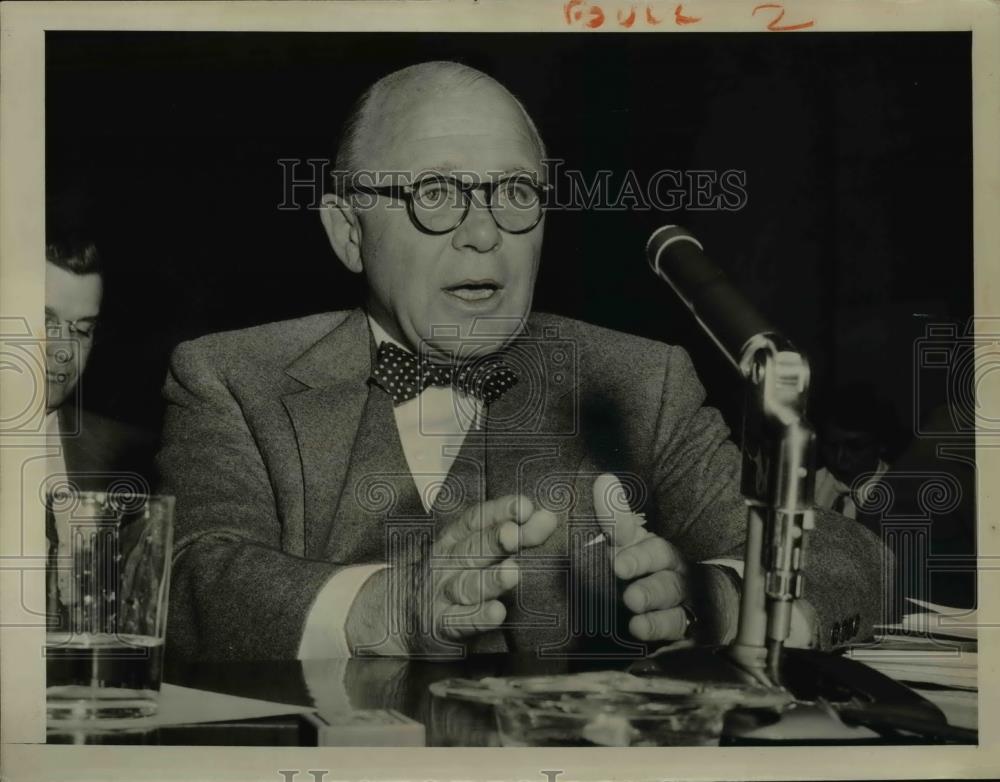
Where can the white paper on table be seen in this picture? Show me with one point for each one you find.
(956, 667)
(945, 620)
(184, 705)
(955, 621)
(943, 660)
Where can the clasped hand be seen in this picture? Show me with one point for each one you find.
(444, 595)
(450, 591)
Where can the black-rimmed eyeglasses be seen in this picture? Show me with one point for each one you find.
(83, 328)
(438, 204)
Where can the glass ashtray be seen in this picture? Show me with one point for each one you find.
(611, 720)
(610, 684)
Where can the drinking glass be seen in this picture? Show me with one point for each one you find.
(107, 583)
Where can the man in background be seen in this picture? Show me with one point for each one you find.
(852, 445)
(92, 447)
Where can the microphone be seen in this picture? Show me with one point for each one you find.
(731, 321)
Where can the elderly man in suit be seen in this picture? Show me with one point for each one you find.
(443, 470)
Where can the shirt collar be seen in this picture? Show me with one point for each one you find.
(381, 335)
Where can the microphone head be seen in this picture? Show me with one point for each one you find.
(661, 239)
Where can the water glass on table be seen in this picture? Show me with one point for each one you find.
(107, 582)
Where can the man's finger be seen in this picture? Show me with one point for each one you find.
(614, 516)
(662, 590)
(649, 555)
(536, 530)
(478, 585)
(484, 515)
(668, 625)
(484, 547)
(462, 621)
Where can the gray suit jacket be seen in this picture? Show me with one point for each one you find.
(278, 451)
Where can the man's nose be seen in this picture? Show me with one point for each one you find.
(478, 231)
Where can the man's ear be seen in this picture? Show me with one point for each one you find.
(343, 229)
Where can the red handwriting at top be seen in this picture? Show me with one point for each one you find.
(573, 13)
(593, 17)
(596, 17)
(680, 18)
(774, 25)
(627, 21)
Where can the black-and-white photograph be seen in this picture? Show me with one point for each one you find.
(511, 389)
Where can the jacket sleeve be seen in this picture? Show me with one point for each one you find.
(699, 508)
(234, 593)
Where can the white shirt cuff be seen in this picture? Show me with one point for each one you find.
(800, 634)
(324, 635)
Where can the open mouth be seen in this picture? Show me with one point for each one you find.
(474, 290)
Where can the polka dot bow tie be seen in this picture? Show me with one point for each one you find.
(403, 376)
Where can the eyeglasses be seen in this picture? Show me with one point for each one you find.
(83, 328)
(438, 204)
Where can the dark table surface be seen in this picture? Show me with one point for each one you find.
(402, 685)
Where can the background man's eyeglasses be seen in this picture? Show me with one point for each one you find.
(439, 204)
(84, 329)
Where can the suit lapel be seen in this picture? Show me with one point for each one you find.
(325, 417)
(465, 484)
(378, 491)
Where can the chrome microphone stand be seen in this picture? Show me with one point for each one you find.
(777, 482)
(778, 449)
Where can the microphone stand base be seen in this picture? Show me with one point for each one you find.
(810, 675)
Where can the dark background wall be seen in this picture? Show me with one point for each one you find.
(857, 148)
(856, 233)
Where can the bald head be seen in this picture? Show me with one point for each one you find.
(385, 112)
